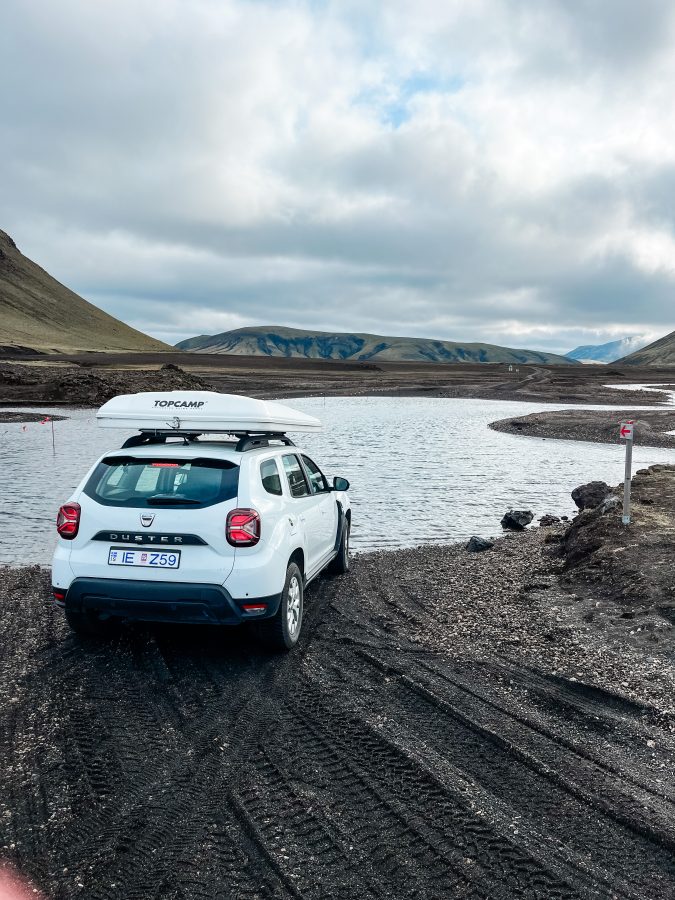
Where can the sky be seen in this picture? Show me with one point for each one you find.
(483, 170)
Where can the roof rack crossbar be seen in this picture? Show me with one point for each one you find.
(253, 441)
(245, 440)
(157, 437)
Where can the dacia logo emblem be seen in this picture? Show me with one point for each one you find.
(147, 520)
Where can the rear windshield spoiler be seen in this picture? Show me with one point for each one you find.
(205, 461)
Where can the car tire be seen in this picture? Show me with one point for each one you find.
(281, 633)
(340, 565)
(86, 623)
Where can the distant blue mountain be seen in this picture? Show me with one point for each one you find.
(607, 353)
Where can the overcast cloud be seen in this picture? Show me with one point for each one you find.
(492, 170)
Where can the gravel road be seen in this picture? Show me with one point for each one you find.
(445, 729)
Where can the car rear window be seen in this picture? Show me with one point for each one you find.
(162, 482)
(296, 477)
(269, 474)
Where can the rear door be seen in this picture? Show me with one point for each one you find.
(325, 499)
(156, 518)
(306, 506)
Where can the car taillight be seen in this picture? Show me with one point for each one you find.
(68, 520)
(242, 528)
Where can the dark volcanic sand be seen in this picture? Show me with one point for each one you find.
(7, 417)
(450, 726)
(599, 426)
(87, 378)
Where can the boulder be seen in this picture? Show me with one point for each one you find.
(549, 520)
(478, 544)
(517, 519)
(588, 496)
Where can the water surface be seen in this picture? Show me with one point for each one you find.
(422, 470)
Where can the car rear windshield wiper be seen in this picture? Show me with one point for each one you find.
(172, 501)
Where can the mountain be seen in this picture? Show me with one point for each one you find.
(273, 340)
(607, 353)
(37, 312)
(660, 353)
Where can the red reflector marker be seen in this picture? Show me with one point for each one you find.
(254, 607)
(242, 528)
(59, 595)
(68, 520)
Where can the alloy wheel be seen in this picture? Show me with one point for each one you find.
(293, 606)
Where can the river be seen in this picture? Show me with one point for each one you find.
(422, 470)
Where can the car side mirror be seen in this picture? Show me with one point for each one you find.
(340, 484)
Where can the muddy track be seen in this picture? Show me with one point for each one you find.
(179, 764)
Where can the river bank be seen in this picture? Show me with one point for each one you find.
(493, 724)
(597, 426)
(91, 379)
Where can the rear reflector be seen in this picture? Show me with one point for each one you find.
(254, 607)
(242, 528)
(59, 595)
(68, 520)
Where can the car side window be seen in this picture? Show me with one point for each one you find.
(269, 473)
(316, 478)
(296, 477)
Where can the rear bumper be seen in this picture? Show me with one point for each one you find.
(165, 601)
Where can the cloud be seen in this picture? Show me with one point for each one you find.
(495, 171)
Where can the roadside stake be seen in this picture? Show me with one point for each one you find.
(626, 433)
(44, 422)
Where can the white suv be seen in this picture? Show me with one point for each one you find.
(182, 529)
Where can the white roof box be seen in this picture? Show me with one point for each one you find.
(201, 412)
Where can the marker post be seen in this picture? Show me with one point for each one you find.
(626, 432)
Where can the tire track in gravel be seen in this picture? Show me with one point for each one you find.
(544, 781)
(155, 748)
(617, 742)
(418, 828)
(135, 844)
(186, 764)
(139, 845)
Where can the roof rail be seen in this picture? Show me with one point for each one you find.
(253, 441)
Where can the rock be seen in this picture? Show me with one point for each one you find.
(608, 504)
(517, 519)
(549, 520)
(478, 544)
(588, 496)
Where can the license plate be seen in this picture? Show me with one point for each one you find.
(154, 559)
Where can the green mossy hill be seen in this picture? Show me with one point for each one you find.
(295, 342)
(38, 313)
(660, 353)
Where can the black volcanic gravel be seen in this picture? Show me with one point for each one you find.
(448, 727)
